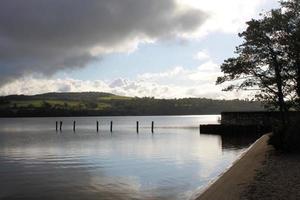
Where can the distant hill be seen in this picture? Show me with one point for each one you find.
(74, 96)
(101, 104)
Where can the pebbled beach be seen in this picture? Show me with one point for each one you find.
(279, 178)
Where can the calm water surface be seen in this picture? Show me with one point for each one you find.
(175, 162)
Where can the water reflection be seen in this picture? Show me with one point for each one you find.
(170, 164)
(238, 141)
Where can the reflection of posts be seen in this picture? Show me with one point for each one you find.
(137, 126)
(60, 125)
(200, 128)
(97, 127)
(152, 127)
(74, 125)
(111, 126)
(56, 125)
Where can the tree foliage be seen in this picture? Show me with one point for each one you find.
(268, 60)
(290, 39)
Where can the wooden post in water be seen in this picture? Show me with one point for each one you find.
(152, 127)
(111, 126)
(56, 126)
(74, 126)
(97, 126)
(60, 125)
(137, 127)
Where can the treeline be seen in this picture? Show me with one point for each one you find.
(104, 104)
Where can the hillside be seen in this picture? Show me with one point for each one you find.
(97, 103)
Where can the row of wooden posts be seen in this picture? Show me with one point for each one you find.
(97, 126)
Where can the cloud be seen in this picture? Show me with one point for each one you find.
(202, 55)
(199, 82)
(33, 85)
(206, 73)
(227, 16)
(45, 36)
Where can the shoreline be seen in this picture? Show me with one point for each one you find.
(231, 184)
(70, 116)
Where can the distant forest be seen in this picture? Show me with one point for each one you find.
(106, 104)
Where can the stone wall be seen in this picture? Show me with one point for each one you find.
(253, 118)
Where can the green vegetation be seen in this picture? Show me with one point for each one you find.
(95, 103)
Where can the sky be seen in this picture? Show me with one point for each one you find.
(143, 48)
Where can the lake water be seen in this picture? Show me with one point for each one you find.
(175, 162)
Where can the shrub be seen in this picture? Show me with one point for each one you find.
(287, 138)
(276, 138)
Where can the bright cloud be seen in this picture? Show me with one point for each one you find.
(202, 55)
(199, 82)
(226, 16)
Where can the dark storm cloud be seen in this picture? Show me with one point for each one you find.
(44, 36)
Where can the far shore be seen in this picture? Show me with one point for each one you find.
(232, 184)
(70, 116)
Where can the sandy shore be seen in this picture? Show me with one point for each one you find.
(235, 182)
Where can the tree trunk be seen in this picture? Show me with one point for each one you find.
(279, 83)
(282, 106)
(298, 77)
(281, 102)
